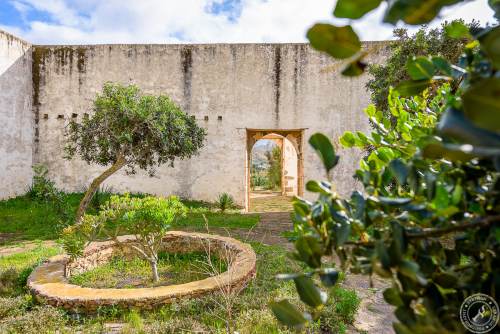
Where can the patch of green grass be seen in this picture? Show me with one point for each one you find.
(15, 269)
(136, 272)
(29, 258)
(195, 220)
(28, 219)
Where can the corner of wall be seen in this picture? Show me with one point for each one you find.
(16, 117)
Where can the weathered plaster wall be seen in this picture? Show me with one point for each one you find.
(16, 133)
(227, 87)
(290, 170)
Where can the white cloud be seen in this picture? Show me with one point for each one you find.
(171, 21)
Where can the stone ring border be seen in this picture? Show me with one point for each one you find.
(48, 282)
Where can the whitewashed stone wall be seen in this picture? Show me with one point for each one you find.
(16, 121)
(227, 87)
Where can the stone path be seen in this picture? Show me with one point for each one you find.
(271, 202)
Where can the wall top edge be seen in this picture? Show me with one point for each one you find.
(187, 44)
(14, 37)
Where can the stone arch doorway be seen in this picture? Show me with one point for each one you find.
(292, 164)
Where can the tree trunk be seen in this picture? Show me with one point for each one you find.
(84, 203)
(154, 269)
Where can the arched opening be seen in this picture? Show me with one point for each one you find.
(274, 170)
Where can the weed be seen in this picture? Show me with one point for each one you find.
(224, 202)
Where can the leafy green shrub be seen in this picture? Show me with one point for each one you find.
(40, 320)
(448, 187)
(225, 201)
(147, 218)
(425, 42)
(415, 120)
(346, 303)
(44, 190)
(132, 130)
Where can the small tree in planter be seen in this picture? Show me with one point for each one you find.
(132, 130)
(148, 219)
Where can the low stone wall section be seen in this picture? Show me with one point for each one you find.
(49, 283)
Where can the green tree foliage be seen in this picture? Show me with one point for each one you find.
(274, 170)
(132, 130)
(425, 42)
(415, 119)
(429, 219)
(147, 219)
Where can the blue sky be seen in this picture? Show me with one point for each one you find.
(189, 21)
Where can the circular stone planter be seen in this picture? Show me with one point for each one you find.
(49, 283)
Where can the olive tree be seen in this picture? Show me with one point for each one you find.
(132, 130)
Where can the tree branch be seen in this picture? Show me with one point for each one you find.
(437, 232)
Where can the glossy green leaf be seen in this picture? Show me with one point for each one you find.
(354, 9)
(354, 68)
(329, 277)
(411, 270)
(454, 152)
(324, 149)
(359, 205)
(442, 198)
(341, 232)
(420, 68)
(394, 201)
(491, 45)
(318, 187)
(399, 169)
(457, 29)
(308, 292)
(456, 196)
(482, 103)
(309, 251)
(338, 42)
(347, 139)
(456, 126)
(391, 296)
(399, 243)
(288, 314)
(382, 254)
(495, 5)
(415, 12)
(411, 88)
(442, 65)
